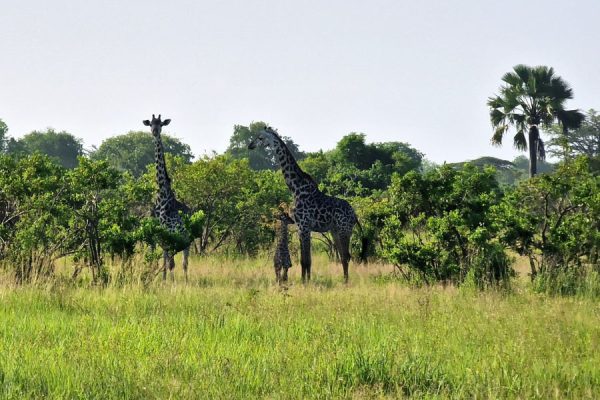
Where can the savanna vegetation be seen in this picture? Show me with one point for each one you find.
(475, 279)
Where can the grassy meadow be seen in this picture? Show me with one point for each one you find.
(231, 333)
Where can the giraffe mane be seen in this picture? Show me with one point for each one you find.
(282, 142)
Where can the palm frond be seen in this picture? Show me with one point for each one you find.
(541, 150)
(498, 135)
(523, 72)
(519, 140)
(495, 102)
(497, 116)
(512, 79)
(570, 119)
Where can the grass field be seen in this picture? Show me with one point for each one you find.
(232, 334)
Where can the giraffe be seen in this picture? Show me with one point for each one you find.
(282, 260)
(314, 211)
(167, 207)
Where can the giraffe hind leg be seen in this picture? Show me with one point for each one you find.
(342, 242)
(305, 259)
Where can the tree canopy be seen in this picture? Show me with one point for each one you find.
(60, 146)
(584, 140)
(133, 151)
(3, 137)
(259, 158)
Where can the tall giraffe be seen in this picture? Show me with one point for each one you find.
(167, 207)
(314, 211)
(281, 259)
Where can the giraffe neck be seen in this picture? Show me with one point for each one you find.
(283, 236)
(297, 180)
(165, 193)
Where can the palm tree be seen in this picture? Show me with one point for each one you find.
(531, 97)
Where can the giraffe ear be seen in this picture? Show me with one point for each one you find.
(146, 122)
(166, 122)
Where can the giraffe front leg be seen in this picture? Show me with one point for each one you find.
(186, 254)
(305, 260)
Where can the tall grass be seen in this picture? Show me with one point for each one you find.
(231, 333)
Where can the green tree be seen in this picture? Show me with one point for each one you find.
(554, 220)
(584, 140)
(259, 158)
(530, 98)
(101, 201)
(214, 185)
(34, 229)
(3, 136)
(440, 226)
(369, 165)
(62, 146)
(134, 151)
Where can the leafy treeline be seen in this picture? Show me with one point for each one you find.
(449, 223)
(453, 223)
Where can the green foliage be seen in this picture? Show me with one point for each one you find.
(508, 173)
(440, 227)
(3, 136)
(584, 140)
(60, 146)
(236, 202)
(554, 220)
(101, 199)
(33, 214)
(134, 151)
(373, 211)
(372, 165)
(260, 158)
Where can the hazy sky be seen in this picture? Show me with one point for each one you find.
(418, 71)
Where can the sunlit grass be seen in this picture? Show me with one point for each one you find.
(232, 333)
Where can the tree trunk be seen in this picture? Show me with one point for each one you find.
(533, 150)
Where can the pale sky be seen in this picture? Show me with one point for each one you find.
(418, 72)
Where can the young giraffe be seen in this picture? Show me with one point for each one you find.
(314, 211)
(282, 260)
(167, 207)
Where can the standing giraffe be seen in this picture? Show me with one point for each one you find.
(282, 260)
(167, 207)
(314, 211)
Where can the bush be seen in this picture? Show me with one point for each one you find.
(554, 220)
(440, 229)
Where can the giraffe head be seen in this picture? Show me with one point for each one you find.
(266, 137)
(284, 217)
(156, 124)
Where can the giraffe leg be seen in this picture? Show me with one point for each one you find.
(342, 242)
(305, 260)
(186, 254)
(165, 264)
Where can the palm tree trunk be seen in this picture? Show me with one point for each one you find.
(533, 150)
